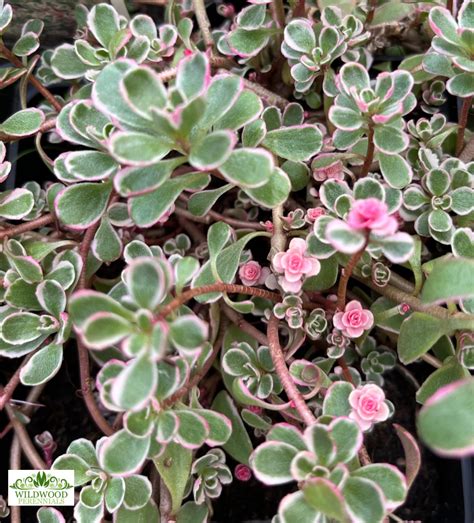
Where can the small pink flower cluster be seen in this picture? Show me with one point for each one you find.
(252, 273)
(314, 213)
(294, 265)
(368, 405)
(372, 215)
(354, 320)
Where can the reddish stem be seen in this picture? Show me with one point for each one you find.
(86, 380)
(346, 274)
(463, 117)
(283, 373)
(27, 226)
(7, 391)
(31, 79)
(369, 157)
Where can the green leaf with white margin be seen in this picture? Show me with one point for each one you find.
(368, 188)
(390, 140)
(174, 467)
(221, 94)
(185, 269)
(193, 75)
(245, 109)
(105, 329)
(325, 497)
(16, 204)
(66, 64)
(299, 35)
(418, 334)
(336, 401)
(42, 366)
(396, 170)
(326, 277)
(86, 303)
(397, 248)
(21, 327)
(82, 205)
(137, 491)
(188, 332)
(450, 280)
(104, 22)
(51, 297)
(146, 210)
(49, 515)
(122, 453)
(220, 427)
(271, 462)
(248, 168)
(298, 143)
(238, 445)
(134, 386)
(294, 507)
(106, 245)
(450, 372)
(461, 85)
(364, 500)
(343, 238)
(80, 467)
(389, 479)
(114, 494)
(462, 243)
(23, 123)
(330, 192)
(148, 281)
(445, 421)
(139, 149)
(274, 192)
(27, 44)
(143, 515)
(201, 202)
(144, 91)
(191, 512)
(212, 151)
(90, 165)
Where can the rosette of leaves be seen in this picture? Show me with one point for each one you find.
(429, 134)
(376, 112)
(179, 245)
(291, 310)
(251, 33)
(254, 369)
(452, 48)
(126, 317)
(315, 324)
(193, 118)
(322, 460)
(375, 360)
(331, 235)
(443, 201)
(311, 48)
(210, 473)
(106, 475)
(37, 282)
(108, 36)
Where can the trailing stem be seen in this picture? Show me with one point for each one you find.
(284, 374)
(346, 274)
(463, 117)
(203, 22)
(27, 226)
(47, 95)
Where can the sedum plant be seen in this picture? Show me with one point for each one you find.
(248, 226)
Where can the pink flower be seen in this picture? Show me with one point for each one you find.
(354, 320)
(372, 214)
(294, 265)
(242, 472)
(251, 273)
(334, 171)
(314, 213)
(368, 405)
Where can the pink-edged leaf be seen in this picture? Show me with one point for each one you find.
(412, 453)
